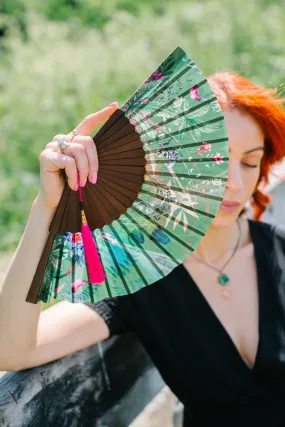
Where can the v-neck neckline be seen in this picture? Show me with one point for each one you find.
(258, 262)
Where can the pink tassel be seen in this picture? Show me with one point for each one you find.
(95, 268)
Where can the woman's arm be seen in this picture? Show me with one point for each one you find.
(29, 337)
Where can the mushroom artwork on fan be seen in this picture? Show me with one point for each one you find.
(163, 165)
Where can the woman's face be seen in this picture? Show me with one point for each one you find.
(246, 143)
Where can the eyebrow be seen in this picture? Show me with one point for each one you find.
(250, 151)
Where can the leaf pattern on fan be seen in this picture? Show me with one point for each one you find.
(184, 137)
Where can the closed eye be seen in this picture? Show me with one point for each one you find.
(250, 166)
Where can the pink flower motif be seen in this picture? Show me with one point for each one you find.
(199, 154)
(194, 93)
(77, 284)
(206, 146)
(156, 76)
(218, 159)
(76, 237)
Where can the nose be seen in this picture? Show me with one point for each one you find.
(234, 181)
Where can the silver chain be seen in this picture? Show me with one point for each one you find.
(235, 249)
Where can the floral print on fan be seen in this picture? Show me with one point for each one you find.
(185, 141)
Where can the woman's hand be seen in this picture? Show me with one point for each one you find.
(80, 156)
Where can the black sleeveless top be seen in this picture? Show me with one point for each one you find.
(196, 356)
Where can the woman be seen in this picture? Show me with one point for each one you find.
(221, 349)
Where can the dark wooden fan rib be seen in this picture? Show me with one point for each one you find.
(130, 170)
(143, 230)
(182, 113)
(190, 145)
(121, 177)
(97, 213)
(53, 230)
(141, 161)
(146, 254)
(129, 255)
(125, 130)
(121, 180)
(139, 153)
(122, 197)
(116, 116)
(163, 87)
(115, 262)
(120, 190)
(123, 143)
(125, 134)
(112, 203)
(134, 146)
(120, 120)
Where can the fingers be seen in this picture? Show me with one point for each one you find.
(51, 161)
(84, 151)
(78, 155)
(93, 120)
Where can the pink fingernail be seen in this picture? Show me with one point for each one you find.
(94, 178)
(113, 104)
(83, 182)
(76, 187)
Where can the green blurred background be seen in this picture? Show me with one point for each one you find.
(63, 59)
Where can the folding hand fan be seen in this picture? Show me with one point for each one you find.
(163, 164)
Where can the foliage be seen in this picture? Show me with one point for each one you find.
(63, 59)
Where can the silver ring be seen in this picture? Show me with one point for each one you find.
(62, 144)
(74, 133)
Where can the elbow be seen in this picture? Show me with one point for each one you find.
(12, 365)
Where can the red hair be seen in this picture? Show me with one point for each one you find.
(234, 91)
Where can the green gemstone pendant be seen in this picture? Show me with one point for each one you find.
(223, 279)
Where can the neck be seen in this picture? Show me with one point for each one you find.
(219, 243)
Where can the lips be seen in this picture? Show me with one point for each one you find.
(230, 204)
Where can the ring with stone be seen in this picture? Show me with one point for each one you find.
(62, 144)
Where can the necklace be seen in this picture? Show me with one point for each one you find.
(223, 279)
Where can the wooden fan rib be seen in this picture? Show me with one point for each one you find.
(116, 133)
(182, 205)
(129, 154)
(157, 92)
(141, 248)
(186, 175)
(121, 142)
(129, 255)
(153, 93)
(97, 214)
(57, 218)
(118, 188)
(119, 147)
(113, 212)
(115, 206)
(40, 271)
(143, 230)
(113, 119)
(193, 159)
(136, 161)
(124, 199)
(123, 280)
(174, 117)
(190, 145)
(185, 190)
(123, 183)
(135, 170)
(122, 134)
(189, 228)
(189, 128)
(136, 179)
